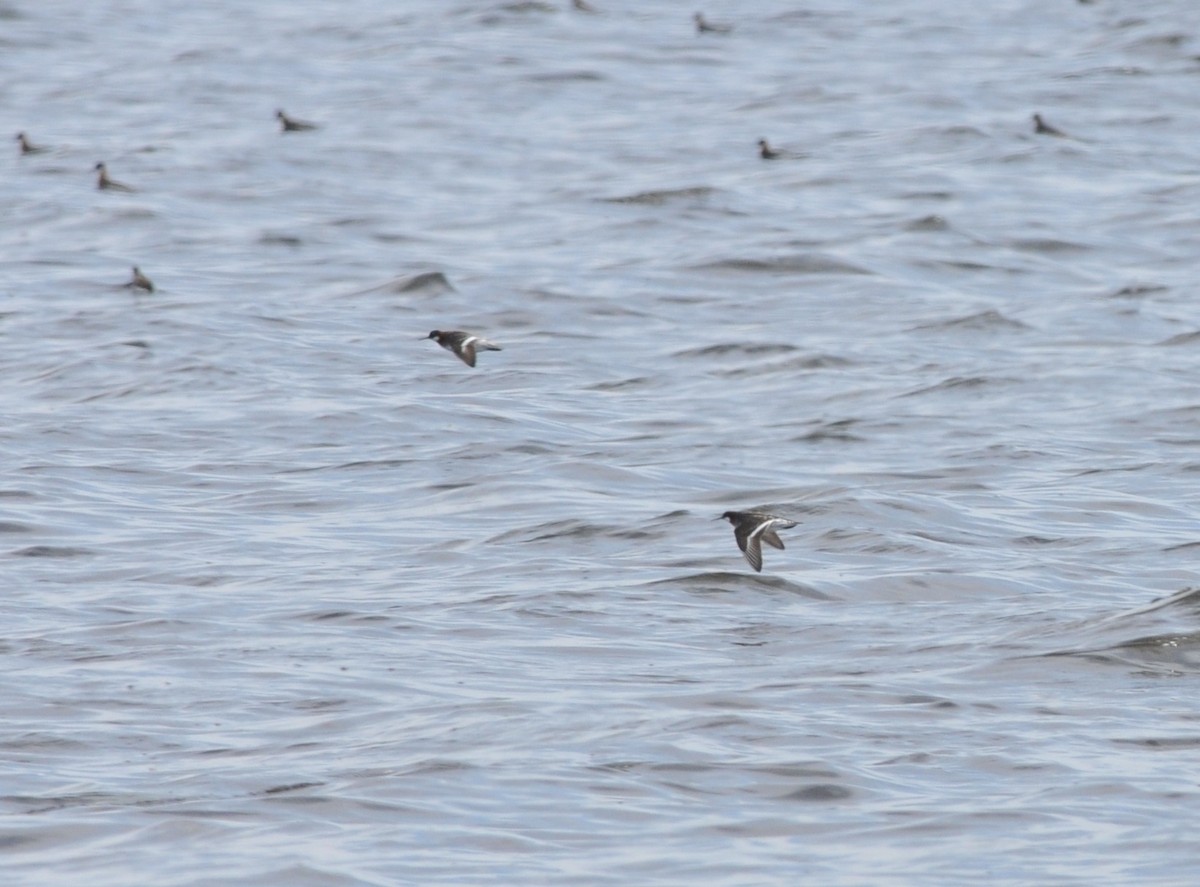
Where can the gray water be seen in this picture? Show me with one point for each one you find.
(294, 597)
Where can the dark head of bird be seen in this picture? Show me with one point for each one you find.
(435, 334)
(729, 516)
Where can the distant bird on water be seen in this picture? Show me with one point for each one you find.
(104, 183)
(290, 124)
(140, 281)
(767, 152)
(706, 27)
(582, 6)
(1041, 127)
(28, 147)
(464, 345)
(751, 528)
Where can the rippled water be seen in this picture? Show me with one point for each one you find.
(295, 597)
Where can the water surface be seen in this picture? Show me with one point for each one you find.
(294, 597)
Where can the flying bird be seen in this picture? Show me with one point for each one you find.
(464, 345)
(752, 528)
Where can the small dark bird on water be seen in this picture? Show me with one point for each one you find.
(1041, 127)
(28, 147)
(290, 124)
(582, 6)
(706, 27)
(464, 345)
(751, 528)
(140, 281)
(765, 151)
(104, 183)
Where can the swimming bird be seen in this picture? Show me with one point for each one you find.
(290, 124)
(463, 344)
(140, 281)
(104, 183)
(1041, 127)
(751, 528)
(765, 151)
(28, 147)
(706, 27)
(582, 6)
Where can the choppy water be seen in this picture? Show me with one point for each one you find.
(293, 597)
